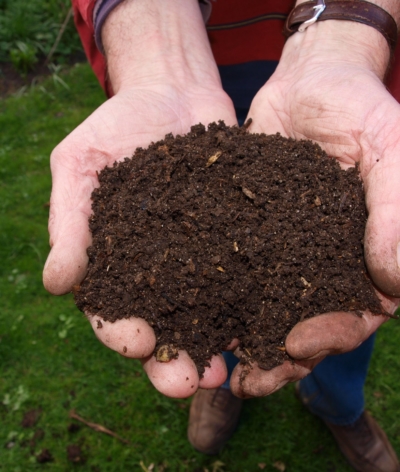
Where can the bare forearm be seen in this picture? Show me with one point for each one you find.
(147, 41)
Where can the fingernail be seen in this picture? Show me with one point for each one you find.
(319, 354)
(278, 387)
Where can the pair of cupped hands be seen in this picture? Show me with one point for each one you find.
(339, 103)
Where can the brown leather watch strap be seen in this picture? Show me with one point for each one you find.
(350, 10)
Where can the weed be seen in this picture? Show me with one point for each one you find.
(23, 56)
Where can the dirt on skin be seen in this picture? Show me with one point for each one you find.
(223, 234)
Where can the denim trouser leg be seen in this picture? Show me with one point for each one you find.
(231, 361)
(334, 390)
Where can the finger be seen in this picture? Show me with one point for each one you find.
(263, 114)
(232, 345)
(215, 375)
(331, 333)
(177, 378)
(66, 264)
(74, 177)
(382, 238)
(251, 381)
(382, 187)
(132, 337)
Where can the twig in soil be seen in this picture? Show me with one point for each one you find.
(248, 123)
(391, 315)
(305, 193)
(97, 427)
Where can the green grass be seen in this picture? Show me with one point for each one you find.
(50, 359)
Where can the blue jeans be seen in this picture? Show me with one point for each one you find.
(334, 389)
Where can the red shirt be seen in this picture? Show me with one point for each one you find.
(239, 32)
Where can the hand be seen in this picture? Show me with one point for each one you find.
(328, 88)
(157, 92)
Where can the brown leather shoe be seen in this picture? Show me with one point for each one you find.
(213, 418)
(365, 445)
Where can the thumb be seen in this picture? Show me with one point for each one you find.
(382, 187)
(331, 333)
(67, 262)
(70, 237)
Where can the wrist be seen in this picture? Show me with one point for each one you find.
(342, 42)
(148, 43)
(351, 31)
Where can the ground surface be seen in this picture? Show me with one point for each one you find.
(223, 234)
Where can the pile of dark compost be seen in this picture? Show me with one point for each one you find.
(223, 234)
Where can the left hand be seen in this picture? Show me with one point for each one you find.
(328, 88)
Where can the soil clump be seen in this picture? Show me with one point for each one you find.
(223, 234)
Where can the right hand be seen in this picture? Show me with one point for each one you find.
(165, 80)
(130, 119)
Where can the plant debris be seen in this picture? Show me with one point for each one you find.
(74, 454)
(44, 456)
(30, 418)
(97, 427)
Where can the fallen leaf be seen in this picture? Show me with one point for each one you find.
(146, 469)
(30, 418)
(217, 466)
(44, 456)
(279, 465)
(262, 465)
(248, 193)
(213, 158)
(74, 454)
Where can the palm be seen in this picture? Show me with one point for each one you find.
(123, 123)
(343, 109)
(351, 115)
(338, 107)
